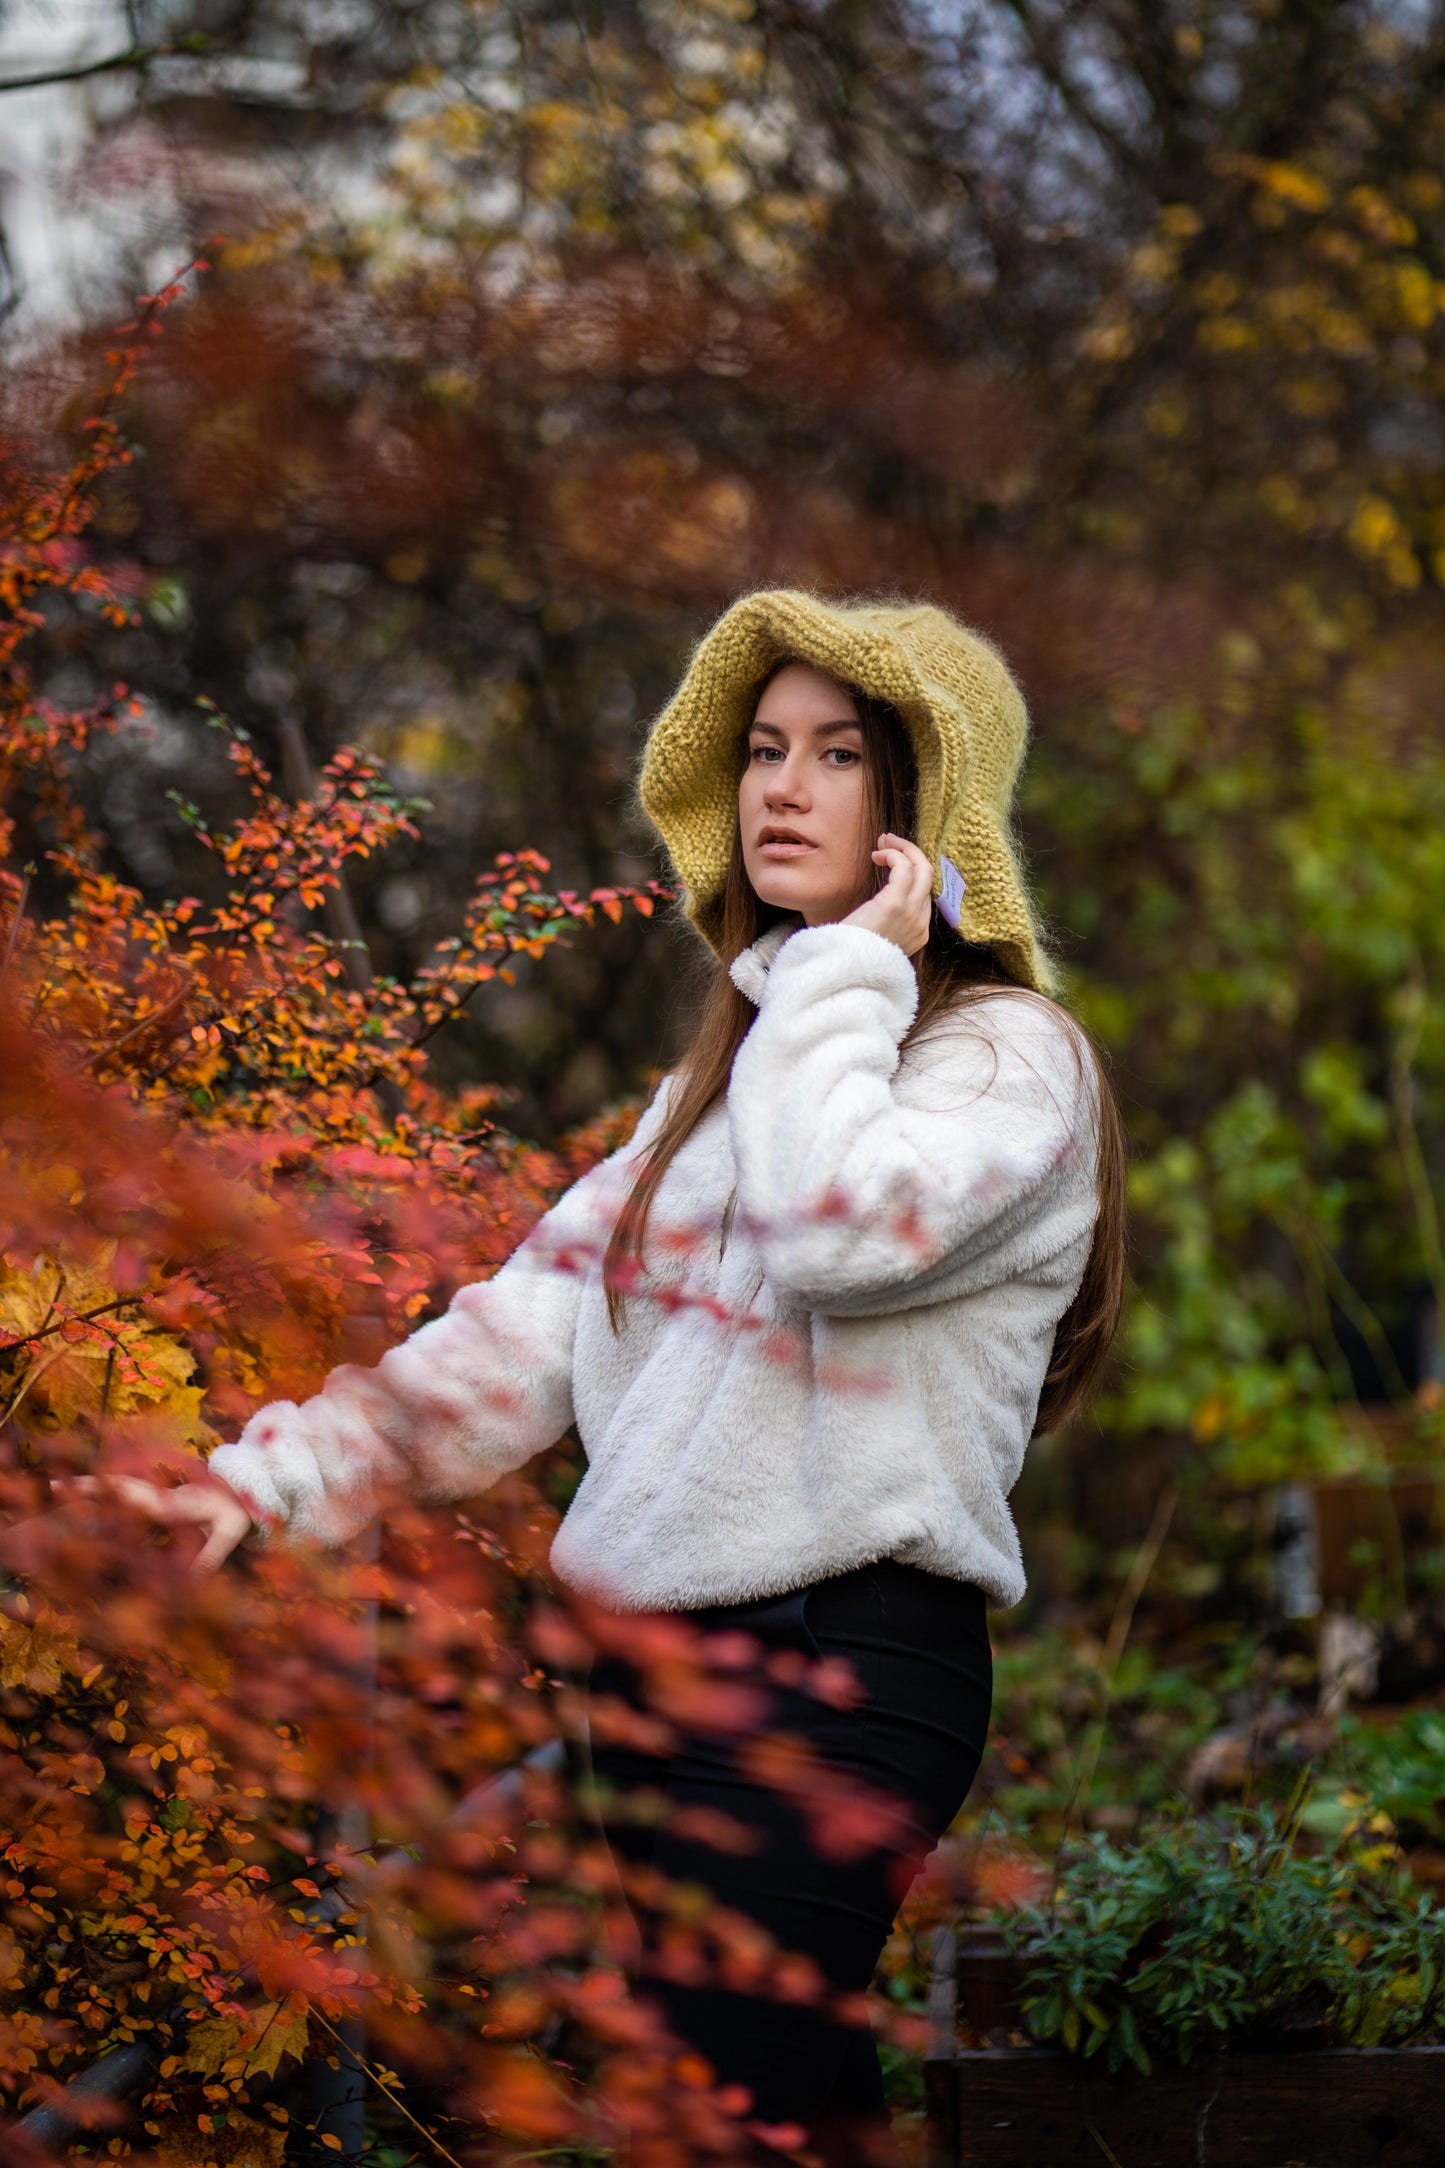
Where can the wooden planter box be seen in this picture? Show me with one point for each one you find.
(1008, 2107)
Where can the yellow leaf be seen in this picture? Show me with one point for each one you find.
(33, 1657)
(67, 1373)
(274, 2030)
(1374, 526)
(1209, 1418)
(1418, 295)
(330, 2138)
(1305, 191)
(210, 2043)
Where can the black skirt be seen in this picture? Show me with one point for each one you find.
(828, 1868)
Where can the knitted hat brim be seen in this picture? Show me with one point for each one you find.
(963, 712)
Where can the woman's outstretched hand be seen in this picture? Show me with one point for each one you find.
(902, 909)
(206, 1503)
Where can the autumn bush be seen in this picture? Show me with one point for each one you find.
(242, 1814)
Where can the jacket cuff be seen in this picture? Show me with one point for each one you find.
(820, 961)
(244, 1468)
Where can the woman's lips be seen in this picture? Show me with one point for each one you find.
(784, 846)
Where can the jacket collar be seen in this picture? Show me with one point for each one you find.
(749, 970)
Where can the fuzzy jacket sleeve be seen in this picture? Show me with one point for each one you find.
(467, 1397)
(864, 1196)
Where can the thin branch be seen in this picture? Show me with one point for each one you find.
(1323, 1272)
(87, 472)
(32, 1377)
(1104, 2146)
(55, 1294)
(1366, 1323)
(13, 936)
(450, 1011)
(338, 909)
(1133, 1588)
(1407, 1136)
(81, 1317)
(1308, 1249)
(388, 2092)
(151, 1022)
(138, 57)
(1144, 1561)
(105, 1395)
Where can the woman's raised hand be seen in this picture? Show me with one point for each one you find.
(205, 1503)
(902, 909)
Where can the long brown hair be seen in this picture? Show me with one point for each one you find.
(952, 974)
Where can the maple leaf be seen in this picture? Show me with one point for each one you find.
(96, 1354)
(36, 1657)
(216, 2040)
(274, 2030)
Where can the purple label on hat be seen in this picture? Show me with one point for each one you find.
(950, 903)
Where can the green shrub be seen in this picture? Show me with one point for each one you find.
(1223, 1927)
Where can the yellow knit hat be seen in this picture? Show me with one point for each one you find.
(953, 689)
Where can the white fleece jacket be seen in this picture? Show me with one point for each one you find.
(855, 1271)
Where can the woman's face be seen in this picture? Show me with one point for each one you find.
(803, 802)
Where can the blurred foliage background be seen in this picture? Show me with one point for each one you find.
(535, 332)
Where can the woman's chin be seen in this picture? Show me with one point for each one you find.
(787, 888)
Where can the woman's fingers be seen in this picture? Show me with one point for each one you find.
(162, 1505)
(902, 854)
(902, 909)
(910, 886)
(231, 1522)
(906, 863)
(209, 1505)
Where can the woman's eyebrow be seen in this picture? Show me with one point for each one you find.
(819, 730)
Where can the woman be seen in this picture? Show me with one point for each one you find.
(889, 1171)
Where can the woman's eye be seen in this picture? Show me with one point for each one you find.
(767, 752)
(844, 755)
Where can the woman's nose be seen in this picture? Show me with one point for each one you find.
(784, 787)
